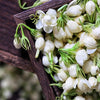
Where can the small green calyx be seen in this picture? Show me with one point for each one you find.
(25, 43)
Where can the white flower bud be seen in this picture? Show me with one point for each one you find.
(83, 85)
(68, 46)
(7, 94)
(55, 59)
(68, 33)
(40, 43)
(48, 29)
(62, 65)
(58, 43)
(75, 10)
(73, 70)
(62, 75)
(91, 51)
(98, 1)
(17, 43)
(81, 37)
(90, 7)
(75, 83)
(59, 34)
(45, 61)
(74, 27)
(56, 77)
(96, 33)
(39, 25)
(87, 66)
(90, 42)
(68, 85)
(51, 12)
(92, 81)
(89, 98)
(94, 70)
(81, 57)
(49, 20)
(79, 98)
(43, 1)
(78, 19)
(49, 46)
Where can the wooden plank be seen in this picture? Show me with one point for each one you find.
(15, 61)
(8, 53)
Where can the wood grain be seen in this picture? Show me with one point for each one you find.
(8, 53)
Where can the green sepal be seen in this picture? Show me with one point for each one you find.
(59, 85)
(68, 55)
(80, 72)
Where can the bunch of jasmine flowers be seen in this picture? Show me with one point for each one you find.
(69, 39)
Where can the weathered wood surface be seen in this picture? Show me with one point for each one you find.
(8, 53)
(43, 78)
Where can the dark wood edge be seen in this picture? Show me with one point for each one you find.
(51, 4)
(15, 60)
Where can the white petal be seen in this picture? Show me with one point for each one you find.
(48, 29)
(81, 57)
(51, 12)
(91, 51)
(39, 25)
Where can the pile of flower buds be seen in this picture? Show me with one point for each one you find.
(70, 44)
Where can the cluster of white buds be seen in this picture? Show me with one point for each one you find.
(74, 10)
(74, 40)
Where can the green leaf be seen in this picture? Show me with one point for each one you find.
(63, 8)
(57, 84)
(71, 93)
(91, 18)
(80, 72)
(97, 23)
(98, 78)
(82, 1)
(87, 27)
(68, 55)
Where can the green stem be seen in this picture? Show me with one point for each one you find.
(26, 26)
(37, 3)
(22, 31)
(16, 34)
